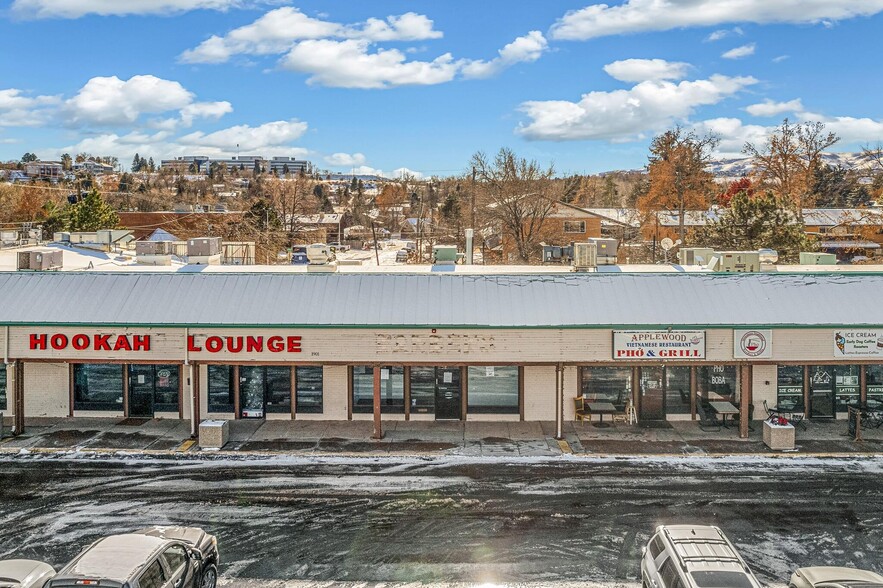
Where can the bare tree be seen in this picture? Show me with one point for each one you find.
(519, 195)
(790, 158)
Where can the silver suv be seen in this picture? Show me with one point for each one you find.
(693, 556)
(831, 577)
(157, 557)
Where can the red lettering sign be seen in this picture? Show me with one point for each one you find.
(80, 342)
(293, 344)
(102, 343)
(38, 341)
(275, 344)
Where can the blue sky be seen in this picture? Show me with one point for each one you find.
(422, 85)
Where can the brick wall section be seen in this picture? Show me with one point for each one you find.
(47, 389)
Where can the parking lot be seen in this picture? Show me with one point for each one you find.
(448, 520)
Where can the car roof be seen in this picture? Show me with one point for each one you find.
(23, 570)
(704, 548)
(117, 557)
(838, 575)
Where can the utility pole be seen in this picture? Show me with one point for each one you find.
(472, 219)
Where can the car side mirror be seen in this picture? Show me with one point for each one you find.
(196, 554)
(644, 551)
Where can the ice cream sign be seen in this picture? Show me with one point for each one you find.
(858, 343)
(658, 345)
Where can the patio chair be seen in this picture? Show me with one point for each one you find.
(579, 410)
(770, 412)
(707, 422)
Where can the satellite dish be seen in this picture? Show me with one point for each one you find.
(666, 244)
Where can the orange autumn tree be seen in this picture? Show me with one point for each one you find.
(679, 180)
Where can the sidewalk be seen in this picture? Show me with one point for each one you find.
(513, 439)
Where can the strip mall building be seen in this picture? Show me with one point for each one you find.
(434, 346)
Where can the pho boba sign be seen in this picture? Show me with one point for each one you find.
(658, 345)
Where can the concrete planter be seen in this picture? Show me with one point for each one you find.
(213, 434)
(778, 437)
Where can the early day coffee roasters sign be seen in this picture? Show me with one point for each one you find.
(658, 345)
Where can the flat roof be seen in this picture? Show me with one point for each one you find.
(595, 300)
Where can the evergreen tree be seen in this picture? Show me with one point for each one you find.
(29, 157)
(762, 221)
(92, 213)
(136, 163)
(150, 165)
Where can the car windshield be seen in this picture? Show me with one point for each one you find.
(721, 580)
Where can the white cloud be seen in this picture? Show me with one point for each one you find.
(78, 8)
(772, 108)
(525, 49)
(642, 70)
(351, 64)
(270, 139)
(625, 115)
(634, 16)
(110, 101)
(780, 58)
(260, 138)
(345, 159)
(848, 128)
(17, 109)
(733, 134)
(740, 52)
(405, 172)
(276, 31)
(723, 34)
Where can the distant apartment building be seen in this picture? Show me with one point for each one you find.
(93, 167)
(44, 170)
(202, 163)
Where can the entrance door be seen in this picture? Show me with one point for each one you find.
(447, 393)
(821, 391)
(141, 386)
(251, 392)
(652, 393)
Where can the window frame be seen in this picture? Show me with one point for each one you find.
(89, 405)
(162, 570)
(311, 408)
(492, 409)
(582, 231)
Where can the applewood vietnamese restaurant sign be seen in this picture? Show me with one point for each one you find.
(658, 345)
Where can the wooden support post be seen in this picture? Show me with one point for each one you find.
(378, 431)
(745, 403)
(18, 398)
(191, 372)
(693, 389)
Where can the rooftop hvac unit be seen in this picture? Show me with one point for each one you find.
(153, 248)
(40, 260)
(607, 250)
(735, 262)
(807, 258)
(695, 255)
(445, 254)
(204, 246)
(585, 256)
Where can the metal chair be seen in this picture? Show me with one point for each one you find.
(770, 412)
(707, 422)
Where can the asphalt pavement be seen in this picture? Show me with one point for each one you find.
(295, 521)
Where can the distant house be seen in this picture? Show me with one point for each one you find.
(846, 232)
(93, 167)
(321, 228)
(564, 225)
(44, 170)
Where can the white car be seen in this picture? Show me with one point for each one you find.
(24, 573)
(833, 577)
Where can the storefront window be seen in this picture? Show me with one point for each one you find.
(717, 383)
(98, 386)
(846, 386)
(423, 390)
(308, 394)
(264, 389)
(492, 390)
(155, 386)
(605, 384)
(278, 389)
(392, 389)
(790, 387)
(874, 383)
(220, 388)
(2, 387)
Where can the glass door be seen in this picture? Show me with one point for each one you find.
(821, 391)
(652, 391)
(447, 393)
(251, 392)
(141, 384)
